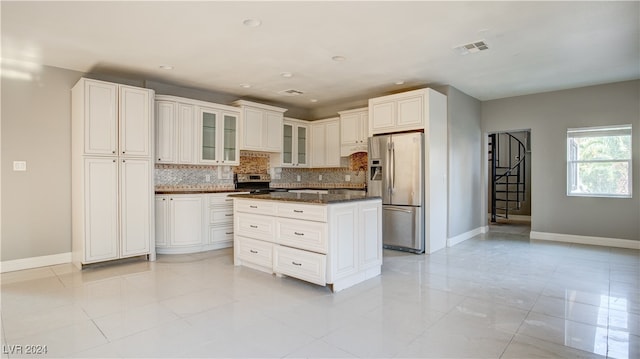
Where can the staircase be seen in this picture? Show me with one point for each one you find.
(508, 174)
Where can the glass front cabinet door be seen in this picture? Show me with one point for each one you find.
(294, 144)
(219, 137)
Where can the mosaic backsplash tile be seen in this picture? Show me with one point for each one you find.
(205, 177)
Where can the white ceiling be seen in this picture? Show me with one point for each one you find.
(533, 46)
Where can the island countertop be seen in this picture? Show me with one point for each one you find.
(305, 197)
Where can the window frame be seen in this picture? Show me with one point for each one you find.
(572, 164)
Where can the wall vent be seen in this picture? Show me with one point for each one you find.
(291, 92)
(472, 47)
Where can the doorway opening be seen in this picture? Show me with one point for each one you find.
(509, 179)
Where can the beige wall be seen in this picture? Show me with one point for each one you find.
(36, 127)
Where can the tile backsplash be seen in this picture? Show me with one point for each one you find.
(351, 174)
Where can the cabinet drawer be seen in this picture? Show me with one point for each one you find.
(302, 211)
(223, 199)
(220, 234)
(307, 235)
(300, 264)
(255, 226)
(221, 215)
(257, 252)
(260, 207)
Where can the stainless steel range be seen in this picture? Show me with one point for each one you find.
(254, 182)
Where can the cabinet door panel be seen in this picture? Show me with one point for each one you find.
(382, 116)
(350, 129)
(302, 133)
(187, 129)
(318, 151)
(166, 139)
(410, 112)
(101, 209)
(162, 221)
(287, 144)
(332, 146)
(186, 221)
(135, 121)
(253, 130)
(229, 127)
(101, 118)
(135, 207)
(273, 126)
(371, 235)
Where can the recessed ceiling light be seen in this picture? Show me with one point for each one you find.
(286, 74)
(338, 58)
(166, 67)
(313, 100)
(246, 86)
(252, 22)
(399, 82)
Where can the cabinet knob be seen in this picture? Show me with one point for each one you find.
(123, 152)
(113, 152)
(123, 161)
(114, 161)
(159, 159)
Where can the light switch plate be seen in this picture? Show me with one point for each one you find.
(19, 165)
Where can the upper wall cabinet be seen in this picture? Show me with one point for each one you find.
(260, 126)
(117, 118)
(295, 143)
(399, 112)
(353, 131)
(325, 143)
(219, 137)
(196, 132)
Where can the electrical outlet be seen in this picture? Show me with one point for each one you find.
(347, 178)
(19, 165)
(319, 177)
(207, 178)
(298, 178)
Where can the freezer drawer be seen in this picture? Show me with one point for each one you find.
(402, 228)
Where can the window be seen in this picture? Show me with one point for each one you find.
(599, 161)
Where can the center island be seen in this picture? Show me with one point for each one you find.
(326, 239)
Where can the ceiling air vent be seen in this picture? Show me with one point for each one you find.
(473, 47)
(291, 92)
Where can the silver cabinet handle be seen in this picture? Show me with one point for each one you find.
(252, 226)
(297, 211)
(253, 206)
(228, 232)
(228, 215)
(296, 264)
(298, 234)
(252, 251)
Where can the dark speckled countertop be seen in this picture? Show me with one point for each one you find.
(305, 197)
(198, 191)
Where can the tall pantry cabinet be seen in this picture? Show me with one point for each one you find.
(112, 172)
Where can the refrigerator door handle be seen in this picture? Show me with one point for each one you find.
(393, 167)
(398, 210)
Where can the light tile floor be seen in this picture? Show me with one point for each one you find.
(498, 295)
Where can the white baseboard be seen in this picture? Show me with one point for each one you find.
(466, 235)
(34, 262)
(595, 241)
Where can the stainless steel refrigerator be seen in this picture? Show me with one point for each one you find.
(396, 173)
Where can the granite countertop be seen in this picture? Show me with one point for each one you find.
(197, 191)
(305, 197)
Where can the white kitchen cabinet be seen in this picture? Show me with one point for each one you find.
(190, 223)
(176, 128)
(260, 126)
(325, 143)
(180, 222)
(112, 172)
(353, 131)
(166, 132)
(136, 211)
(295, 143)
(400, 112)
(116, 118)
(97, 237)
(219, 137)
(336, 243)
(117, 211)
